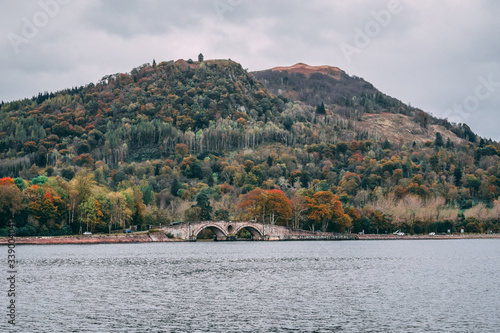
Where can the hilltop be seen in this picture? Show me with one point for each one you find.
(186, 140)
(307, 70)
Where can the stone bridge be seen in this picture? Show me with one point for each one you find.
(227, 230)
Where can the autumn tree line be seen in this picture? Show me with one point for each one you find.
(349, 187)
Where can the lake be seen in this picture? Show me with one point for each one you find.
(352, 286)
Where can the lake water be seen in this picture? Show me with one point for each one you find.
(356, 286)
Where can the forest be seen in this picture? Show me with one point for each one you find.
(186, 141)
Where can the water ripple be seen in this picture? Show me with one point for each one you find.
(381, 286)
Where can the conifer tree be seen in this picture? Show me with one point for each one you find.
(204, 204)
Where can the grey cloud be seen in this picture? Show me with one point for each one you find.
(129, 18)
(430, 55)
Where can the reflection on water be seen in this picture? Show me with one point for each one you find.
(381, 286)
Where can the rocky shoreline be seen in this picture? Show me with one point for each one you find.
(160, 237)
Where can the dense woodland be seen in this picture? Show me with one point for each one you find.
(184, 141)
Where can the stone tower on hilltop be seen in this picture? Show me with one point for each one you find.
(200, 57)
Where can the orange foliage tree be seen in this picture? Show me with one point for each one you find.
(270, 206)
(325, 210)
(321, 209)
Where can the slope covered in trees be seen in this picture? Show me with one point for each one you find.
(184, 140)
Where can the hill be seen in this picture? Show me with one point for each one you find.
(309, 147)
(352, 97)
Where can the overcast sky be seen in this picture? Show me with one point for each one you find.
(441, 56)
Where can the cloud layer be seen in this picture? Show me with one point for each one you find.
(434, 55)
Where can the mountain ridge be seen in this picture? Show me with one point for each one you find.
(307, 70)
(142, 147)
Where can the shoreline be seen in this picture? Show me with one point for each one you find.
(159, 237)
(427, 237)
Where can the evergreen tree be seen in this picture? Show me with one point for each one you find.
(269, 161)
(320, 109)
(305, 178)
(210, 181)
(203, 203)
(449, 143)
(458, 175)
(174, 188)
(438, 142)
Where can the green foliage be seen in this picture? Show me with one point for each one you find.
(203, 203)
(439, 142)
(39, 180)
(222, 215)
(19, 183)
(320, 109)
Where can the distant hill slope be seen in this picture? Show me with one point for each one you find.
(352, 97)
(330, 85)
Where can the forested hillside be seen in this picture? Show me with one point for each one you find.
(184, 140)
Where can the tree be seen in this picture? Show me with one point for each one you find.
(210, 181)
(379, 221)
(299, 208)
(174, 188)
(270, 206)
(457, 173)
(449, 144)
(120, 213)
(270, 161)
(305, 178)
(73, 204)
(251, 204)
(11, 200)
(203, 203)
(355, 216)
(222, 214)
(323, 207)
(48, 210)
(277, 207)
(91, 213)
(192, 214)
(344, 222)
(438, 142)
(139, 207)
(320, 108)
(181, 149)
(83, 184)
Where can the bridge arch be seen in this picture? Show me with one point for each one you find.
(254, 231)
(217, 230)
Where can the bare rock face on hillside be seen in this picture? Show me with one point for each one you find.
(307, 70)
(400, 128)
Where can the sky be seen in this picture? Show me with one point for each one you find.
(440, 56)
